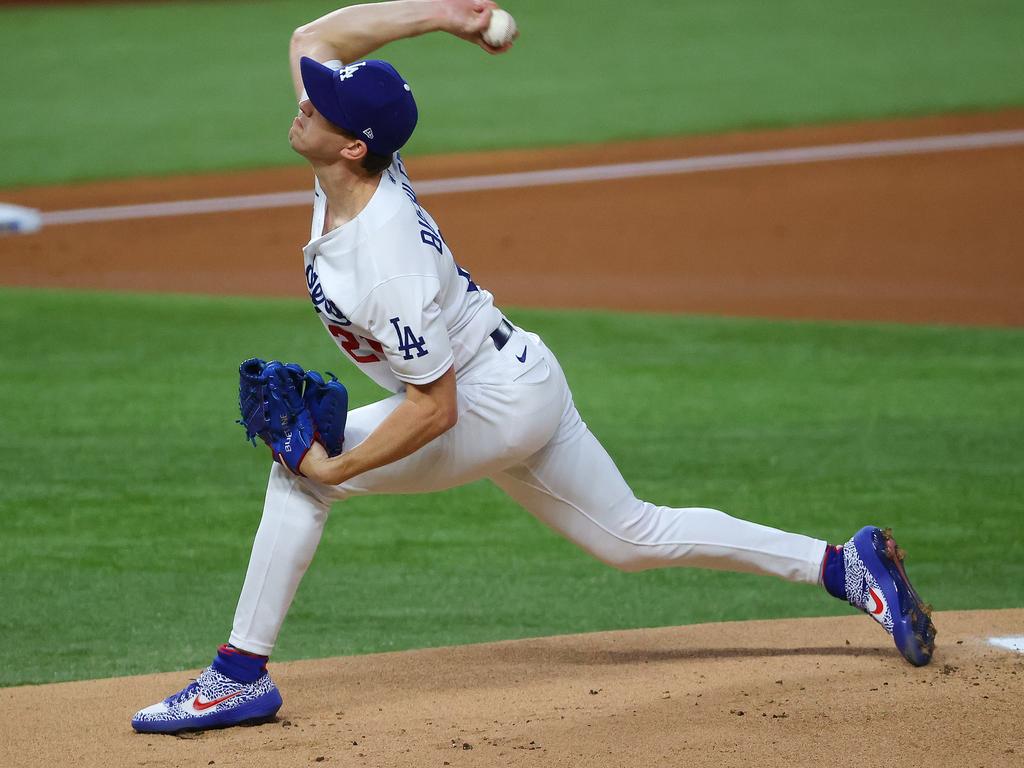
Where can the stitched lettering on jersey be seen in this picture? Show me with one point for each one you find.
(428, 234)
(400, 164)
(356, 346)
(463, 273)
(320, 301)
(407, 340)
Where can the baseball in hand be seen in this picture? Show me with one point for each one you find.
(501, 30)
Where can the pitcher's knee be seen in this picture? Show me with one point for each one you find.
(628, 537)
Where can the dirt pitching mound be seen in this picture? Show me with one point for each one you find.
(764, 693)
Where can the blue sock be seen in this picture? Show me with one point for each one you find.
(239, 665)
(833, 572)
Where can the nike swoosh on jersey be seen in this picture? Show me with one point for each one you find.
(522, 358)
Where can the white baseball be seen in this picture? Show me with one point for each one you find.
(501, 30)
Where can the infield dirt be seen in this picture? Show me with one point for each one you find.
(919, 238)
(765, 693)
(923, 238)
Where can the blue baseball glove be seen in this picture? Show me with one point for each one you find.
(328, 404)
(270, 400)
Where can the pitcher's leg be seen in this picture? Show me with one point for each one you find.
(498, 425)
(294, 514)
(573, 486)
(295, 511)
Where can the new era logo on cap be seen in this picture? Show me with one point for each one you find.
(368, 98)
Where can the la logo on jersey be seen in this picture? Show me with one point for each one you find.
(407, 340)
(320, 301)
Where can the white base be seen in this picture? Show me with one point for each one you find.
(1009, 643)
(16, 219)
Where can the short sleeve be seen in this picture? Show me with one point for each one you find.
(404, 316)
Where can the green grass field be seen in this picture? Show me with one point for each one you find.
(130, 498)
(122, 90)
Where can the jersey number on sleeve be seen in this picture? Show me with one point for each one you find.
(354, 345)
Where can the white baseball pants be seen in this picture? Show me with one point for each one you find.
(517, 426)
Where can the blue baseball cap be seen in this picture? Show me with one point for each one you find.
(368, 99)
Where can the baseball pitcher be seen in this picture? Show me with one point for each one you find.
(474, 395)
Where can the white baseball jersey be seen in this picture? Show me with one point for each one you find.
(389, 292)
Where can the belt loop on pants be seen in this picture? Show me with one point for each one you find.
(502, 334)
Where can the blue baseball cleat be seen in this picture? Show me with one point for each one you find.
(877, 583)
(212, 700)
